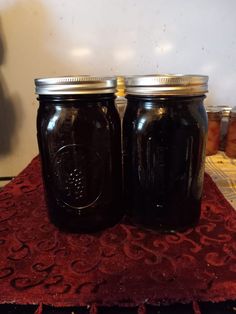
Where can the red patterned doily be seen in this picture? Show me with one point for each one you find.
(123, 265)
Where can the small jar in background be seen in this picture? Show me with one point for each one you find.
(230, 149)
(214, 123)
(224, 125)
(120, 96)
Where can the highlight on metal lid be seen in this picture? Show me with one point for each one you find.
(167, 85)
(120, 86)
(66, 85)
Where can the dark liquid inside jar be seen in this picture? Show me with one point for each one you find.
(79, 142)
(164, 153)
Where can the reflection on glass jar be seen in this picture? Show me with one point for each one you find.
(214, 125)
(230, 148)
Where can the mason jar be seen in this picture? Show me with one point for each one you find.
(164, 135)
(230, 149)
(214, 130)
(78, 129)
(225, 110)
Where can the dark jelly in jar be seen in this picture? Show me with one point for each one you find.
(79, 140)
(164, 136)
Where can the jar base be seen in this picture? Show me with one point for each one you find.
(90, 223)
(161, 228)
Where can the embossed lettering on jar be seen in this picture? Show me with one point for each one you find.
(79, 141)
(164, 135)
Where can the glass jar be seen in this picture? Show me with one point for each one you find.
(165, 128)
(225, 110)
(230, 149)
(78, 130)
(214, 126)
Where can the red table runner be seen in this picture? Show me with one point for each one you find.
(123, 265)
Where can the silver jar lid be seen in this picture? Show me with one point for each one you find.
(214, 113)
(225, 110)
(233, 112)
(167, 85)
(69, 85)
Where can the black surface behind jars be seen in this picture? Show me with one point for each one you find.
(164, 153)
(79, 142)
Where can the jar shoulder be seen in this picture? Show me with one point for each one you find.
(59, 117)
(145, 113)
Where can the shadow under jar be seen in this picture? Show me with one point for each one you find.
(78, 129)
(164, 135)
